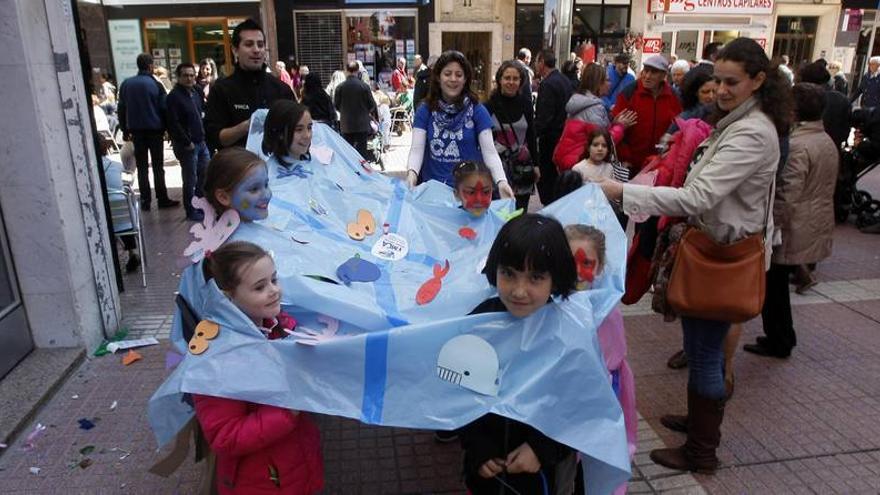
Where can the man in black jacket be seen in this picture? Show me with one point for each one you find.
(142, 120)
(185, 108)
(836, 116)
(553, 94)
(355, 103)
(233, 99)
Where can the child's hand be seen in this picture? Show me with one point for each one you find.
(523, 460)
(491, 468)
(504, 189)
(627, 118)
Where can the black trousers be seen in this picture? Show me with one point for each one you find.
(150, 142)
(776, 314)
(359, 141)
(547, 183)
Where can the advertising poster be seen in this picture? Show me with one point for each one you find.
(125, 45)
(551, 23)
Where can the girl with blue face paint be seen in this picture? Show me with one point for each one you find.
(238, 179)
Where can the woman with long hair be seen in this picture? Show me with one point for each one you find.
(726, 195)
(318, 101)
(207, 75)
(513, 131)
(452, 126)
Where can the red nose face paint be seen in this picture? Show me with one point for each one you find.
(479, 198)
(585, 267)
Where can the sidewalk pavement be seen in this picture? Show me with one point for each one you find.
(802, 425)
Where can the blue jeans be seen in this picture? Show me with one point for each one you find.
(704, 346)
(192, 167)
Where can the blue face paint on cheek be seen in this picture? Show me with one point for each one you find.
(251, 196)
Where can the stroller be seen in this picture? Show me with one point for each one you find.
(855, 163)
(378, 142)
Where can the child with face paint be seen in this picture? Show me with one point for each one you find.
(473, 186)
(259, 448)
(287, 137)
(588, 248)
(238, 179)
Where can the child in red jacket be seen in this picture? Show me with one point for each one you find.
(259, 448)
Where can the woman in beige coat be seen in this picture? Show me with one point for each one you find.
(803, 213)
(726, 194)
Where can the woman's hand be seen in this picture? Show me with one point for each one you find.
(523, 460)
(491, 468)
(613, 190)
(504, 189)
(626, 118)
(411, 178)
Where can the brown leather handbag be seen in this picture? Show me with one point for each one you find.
(720, 282)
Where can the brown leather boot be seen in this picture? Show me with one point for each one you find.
(704, 435)
(678, 422)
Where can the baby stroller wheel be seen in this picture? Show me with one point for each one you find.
(861, 200)
(869, 214)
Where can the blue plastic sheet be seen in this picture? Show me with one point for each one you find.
(382, 366)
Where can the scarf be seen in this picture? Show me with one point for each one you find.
(508, 109)
(453, 117)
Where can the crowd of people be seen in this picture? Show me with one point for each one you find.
(731, 145)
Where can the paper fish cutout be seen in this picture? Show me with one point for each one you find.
(468, 233)
(210, 234)
(205, 331)
(469, 362)
(316, 207)
(364, 225)
(357, 270)
(585, 267)
(429, 290)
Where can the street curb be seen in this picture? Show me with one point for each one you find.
(31, 384)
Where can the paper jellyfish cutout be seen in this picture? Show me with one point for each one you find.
(470, 362)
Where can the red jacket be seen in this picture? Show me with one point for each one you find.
(255, 443)
(654, 114)
(262, 449)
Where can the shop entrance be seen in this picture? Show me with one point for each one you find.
(795, 37)
(15, 336)
(477, 48)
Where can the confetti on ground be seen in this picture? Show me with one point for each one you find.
(34, 470)
(85, 424)
(88, 449)
(113, 405)
(85, 463)
(131, 357)
(74, 396)
(30, 441)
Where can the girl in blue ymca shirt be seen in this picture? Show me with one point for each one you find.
(451, 126)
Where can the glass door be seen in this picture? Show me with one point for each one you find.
(15, 336)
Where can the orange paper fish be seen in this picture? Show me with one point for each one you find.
(429, 290)
(130, 357)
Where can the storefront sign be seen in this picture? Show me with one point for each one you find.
(158, 24)
(125, 44)
(652, 45)
(712, 6)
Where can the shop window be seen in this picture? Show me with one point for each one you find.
(167, 41)
(378, 39)
(174, 41)
(686, 43)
